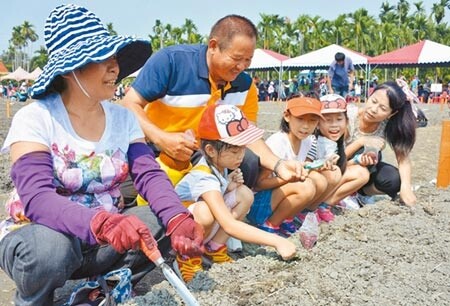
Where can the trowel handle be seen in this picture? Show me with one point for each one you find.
(154, 255)
(151, 252)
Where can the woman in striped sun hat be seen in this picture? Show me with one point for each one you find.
(70, 151)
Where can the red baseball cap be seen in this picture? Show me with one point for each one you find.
(227, 123)
(304, 105)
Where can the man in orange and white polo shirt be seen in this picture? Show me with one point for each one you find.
(178, 82)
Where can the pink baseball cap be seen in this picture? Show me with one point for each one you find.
(333, 103)
(227, 123)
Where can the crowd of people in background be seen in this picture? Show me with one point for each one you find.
(275, 90)
(281, 90)
(15, 91)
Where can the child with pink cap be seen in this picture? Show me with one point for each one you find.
(214, 189)
(330, 135)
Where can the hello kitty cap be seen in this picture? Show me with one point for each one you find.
(333, 103)
(227, 123)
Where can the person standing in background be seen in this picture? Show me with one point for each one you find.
(341, 75)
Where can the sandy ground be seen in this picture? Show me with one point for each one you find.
(382, 254)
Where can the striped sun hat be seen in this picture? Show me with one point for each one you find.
(75, 37)
(227, 123)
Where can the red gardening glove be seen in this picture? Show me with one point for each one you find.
(186, 235)
(122, 232)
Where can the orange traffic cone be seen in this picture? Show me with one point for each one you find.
(443, 178)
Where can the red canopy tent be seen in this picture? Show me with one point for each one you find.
(425, 53)
(264, 59)
(3, 69)
(267, 59)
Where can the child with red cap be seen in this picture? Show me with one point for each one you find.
(214, 189)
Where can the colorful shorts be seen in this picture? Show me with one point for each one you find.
(261, 208)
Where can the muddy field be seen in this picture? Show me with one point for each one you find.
(382, 254)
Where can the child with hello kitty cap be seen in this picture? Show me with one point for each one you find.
(214, 192)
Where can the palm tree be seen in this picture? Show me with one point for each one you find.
(197, 38)
(40, 59)
(110, 29)
(420, 26)
(337, 28)
(386, 9)
(8, 57)
(190, 29)
(441, 33)
(316, 33)
(17, 42)
(264, 27)
(29, 35)
(438, 10)
(267, 26)
(402, 10)
(302, 24)
(361, 25)
(176, 36)
(160, 33)
(289, 39)
(386, 40)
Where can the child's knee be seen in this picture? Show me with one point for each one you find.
(333, 177)
(244, 195)
(203, 215)
(321, 183)
(305, 192)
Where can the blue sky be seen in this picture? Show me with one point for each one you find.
(137, 17)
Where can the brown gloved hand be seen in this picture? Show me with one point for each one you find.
(122, 232)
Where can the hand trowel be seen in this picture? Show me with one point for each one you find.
(155, 255)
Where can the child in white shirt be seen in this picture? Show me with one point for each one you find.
(278, 201)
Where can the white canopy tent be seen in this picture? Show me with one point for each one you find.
(264, 59)
(18, 75)
(35, 73)
(322, 58)
(267, 60)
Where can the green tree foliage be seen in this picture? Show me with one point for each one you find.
(21, 37)
(40, 59)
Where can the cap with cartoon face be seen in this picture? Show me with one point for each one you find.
(333, 103)
(227, 123)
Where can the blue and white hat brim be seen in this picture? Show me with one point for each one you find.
(131, 54)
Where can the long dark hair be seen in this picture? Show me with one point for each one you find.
(342, 161)
(400, 130)
(58, 85)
